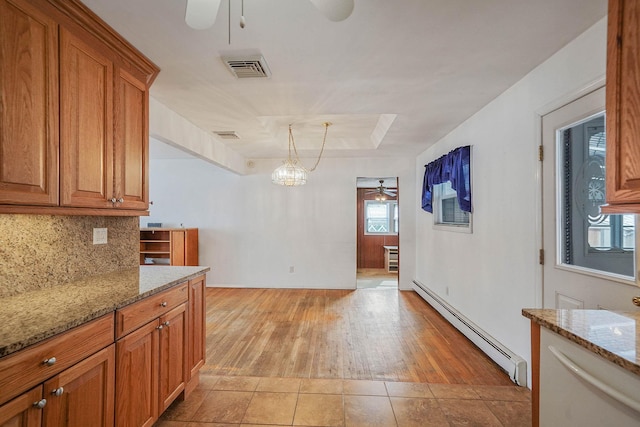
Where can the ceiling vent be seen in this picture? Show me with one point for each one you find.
(248, 67)
(227, 134)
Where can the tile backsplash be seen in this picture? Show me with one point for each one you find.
(40, 251)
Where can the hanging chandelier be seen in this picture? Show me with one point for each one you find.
(292, 172)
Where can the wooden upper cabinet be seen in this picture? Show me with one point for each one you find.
(623, 107)
(86, 130)
(74, 113)
(28, 105)
(131, 143)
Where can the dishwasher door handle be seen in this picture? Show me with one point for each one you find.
(603, 387)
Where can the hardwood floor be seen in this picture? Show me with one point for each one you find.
(366, 334)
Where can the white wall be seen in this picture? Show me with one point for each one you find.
(251, 231)
(493, 273)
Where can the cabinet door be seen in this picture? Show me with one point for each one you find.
(28, 105)
(137, 377)
(83, 395)
(22, 411)
(131, 143)
(172, 355)
(178, 247)
(197, 325)
(623, 104)
(86, 124)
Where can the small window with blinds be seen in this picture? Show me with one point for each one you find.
(447, 212)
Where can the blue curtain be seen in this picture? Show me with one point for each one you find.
(453, 167)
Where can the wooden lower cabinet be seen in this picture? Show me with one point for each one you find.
(137, 377)
(93, 381)
(173, 349)
(151, 369)
(83, 395)
(22, 411)
(197, 326)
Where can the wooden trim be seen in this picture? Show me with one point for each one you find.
(535, 374)
(53, 210)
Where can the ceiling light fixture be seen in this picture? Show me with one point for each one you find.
(292, 172)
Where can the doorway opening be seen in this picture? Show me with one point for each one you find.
(378, 242)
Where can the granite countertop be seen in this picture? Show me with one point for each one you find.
(613, 335)
(28, 318)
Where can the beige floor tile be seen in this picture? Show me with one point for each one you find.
(237, 383)
(279, 385)
(185, 410)
(414, 412)
(409, 390)
(364, 388)
(512, 414)
(223, 407)
(512, 393)
(324, 386)
(453, 391)
(325, 410)
(368, 411)
(207, 382)
(271, 408)
(463, 412)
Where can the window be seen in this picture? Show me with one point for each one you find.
(589, 239)
(381, 217)
(447, 212)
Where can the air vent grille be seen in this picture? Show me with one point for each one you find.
(249, 67)
(227, 134)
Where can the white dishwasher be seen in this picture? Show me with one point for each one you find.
(580, 388)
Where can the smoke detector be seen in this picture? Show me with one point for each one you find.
(247, 67)
(226, 134)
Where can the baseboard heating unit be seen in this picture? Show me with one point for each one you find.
(513, 364)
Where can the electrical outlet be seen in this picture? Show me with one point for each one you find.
(99, 236)
(292, 269)
(446, 291)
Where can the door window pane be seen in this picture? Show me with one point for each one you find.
(589, 238)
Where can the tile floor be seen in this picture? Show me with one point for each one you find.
(254, 401)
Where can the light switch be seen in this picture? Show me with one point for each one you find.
(99, 236)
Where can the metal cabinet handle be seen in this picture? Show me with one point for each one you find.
(166, 323)
(159, 327)
(113, 200)
(58, 392)
(40, 403)
(121, 200)
(50, 361)
(636, 301)
(163, 304)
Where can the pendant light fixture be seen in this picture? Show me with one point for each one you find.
(292, 172)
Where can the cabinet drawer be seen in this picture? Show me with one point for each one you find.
(26, 368)
(137, 314)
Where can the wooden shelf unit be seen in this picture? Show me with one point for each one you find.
(391, 259)
(168, 246)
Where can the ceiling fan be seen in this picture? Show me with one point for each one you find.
(201, 14)
(382, 192)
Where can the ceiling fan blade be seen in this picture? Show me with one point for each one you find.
(334, 10)
(201, 14)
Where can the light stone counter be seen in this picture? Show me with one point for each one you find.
(613, 335)
(30, 317)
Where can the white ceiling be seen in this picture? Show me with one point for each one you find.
(393, 78)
